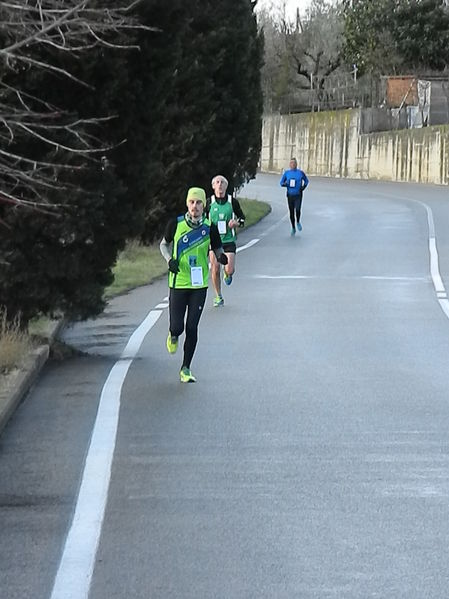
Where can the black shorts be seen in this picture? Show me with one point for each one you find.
(230, 247)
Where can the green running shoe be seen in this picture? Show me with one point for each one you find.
(218, 301)
(186, 376)
(227, 279)
(172, 343)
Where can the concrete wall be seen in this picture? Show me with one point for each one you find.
(329, 144)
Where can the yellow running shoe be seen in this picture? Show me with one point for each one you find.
(186, 376)
(218, 301)
(172, 343)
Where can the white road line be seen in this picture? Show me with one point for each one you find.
(434, 266)
(76, 567)
(434, 261)
(365, 277)
(248, 245)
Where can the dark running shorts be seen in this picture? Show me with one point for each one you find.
(230, 247)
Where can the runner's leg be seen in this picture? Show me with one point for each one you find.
(298, 204)
(177, 308)
(291, 209)
(230, 266)
(215, 273)
(196, 300)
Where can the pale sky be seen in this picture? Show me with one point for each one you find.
(291, 6)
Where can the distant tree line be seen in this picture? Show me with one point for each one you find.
(357, 38)
(110, 110)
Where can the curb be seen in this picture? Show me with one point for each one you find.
(19, 382)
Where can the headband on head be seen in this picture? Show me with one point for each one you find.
(221, 177)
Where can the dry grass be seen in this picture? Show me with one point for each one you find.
(14, 343)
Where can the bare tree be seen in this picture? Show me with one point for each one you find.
(276, 70)
(314, 46)
(303, 53)
(34, 34)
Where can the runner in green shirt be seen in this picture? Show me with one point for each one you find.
(225, 212)
(185, 245)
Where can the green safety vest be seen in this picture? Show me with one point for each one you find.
(191, 249)
(222, 213)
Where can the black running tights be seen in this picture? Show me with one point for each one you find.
(191, 300)
(294, 208)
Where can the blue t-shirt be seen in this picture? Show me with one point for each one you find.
(295, 180)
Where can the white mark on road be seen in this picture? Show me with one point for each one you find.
(434, 262)
(434, 266)
(248, 245)
(365, 277)
(76, 567)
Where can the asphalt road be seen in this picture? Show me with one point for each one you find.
(311, 459)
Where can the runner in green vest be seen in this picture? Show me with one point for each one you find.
(224, 211)
(185, 245)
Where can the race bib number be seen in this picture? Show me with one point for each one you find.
(196, 276)
(292, 182)
(221, 227)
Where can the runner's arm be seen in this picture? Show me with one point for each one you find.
(305, 181)
(237, 209)
(166, 245)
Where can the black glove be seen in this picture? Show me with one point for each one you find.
(223, 259)
(241, 222)
(173, 266)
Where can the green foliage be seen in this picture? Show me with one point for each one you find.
(422, 34)
(393, 36)
(61, 263)
(212, 116)
(59, 260)
(368, 42)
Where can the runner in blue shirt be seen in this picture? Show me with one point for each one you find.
(295, 180)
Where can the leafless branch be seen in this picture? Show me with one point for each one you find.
(71, 27)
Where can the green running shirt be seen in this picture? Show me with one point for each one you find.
(220, 215)
(191, 249)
